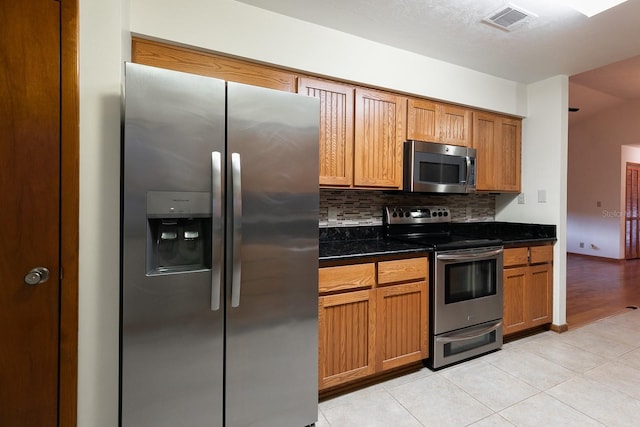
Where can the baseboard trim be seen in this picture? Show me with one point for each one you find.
(559, 328)
(597, 258)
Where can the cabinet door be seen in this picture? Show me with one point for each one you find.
(379, 135)
(455, 125)
(177, 58)
(540, 294)
(346, 337)
(421, 123)
(508, 152)
(336, 130)
(402, 324)
(497, 140)
(434, 122)
(485, 132)
(514, 313)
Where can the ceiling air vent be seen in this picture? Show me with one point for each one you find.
(508, 17)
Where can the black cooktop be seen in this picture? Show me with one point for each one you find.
(429, 227)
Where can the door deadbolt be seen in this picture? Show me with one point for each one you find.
(36, 276)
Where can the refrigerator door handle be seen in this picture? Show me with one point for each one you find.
(236, 183)
(216, 229)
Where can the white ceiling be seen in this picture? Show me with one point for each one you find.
(554, 40)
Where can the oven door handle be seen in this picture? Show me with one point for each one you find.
(474, 334)
(467, 257)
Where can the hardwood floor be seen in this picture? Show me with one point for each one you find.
(598, 288)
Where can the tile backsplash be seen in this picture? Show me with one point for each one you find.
(348, 208)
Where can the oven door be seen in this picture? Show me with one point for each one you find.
(463, 344)
(467, 288)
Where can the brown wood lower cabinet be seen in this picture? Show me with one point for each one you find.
(347, 337)
(376, 323)
(401, 314)
(528, 288)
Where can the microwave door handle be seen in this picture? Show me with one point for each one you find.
(468, 170)
(236, 184)
(467, 257)
(475, 334)
(216, 229)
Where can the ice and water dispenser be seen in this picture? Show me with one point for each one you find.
(178, 232)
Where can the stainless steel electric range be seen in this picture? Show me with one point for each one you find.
(465, 274)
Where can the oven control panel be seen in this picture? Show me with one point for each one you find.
(416, 214)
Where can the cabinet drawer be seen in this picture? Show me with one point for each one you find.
(540, 254)
(332, 279)
(402, 270)
(516, 256)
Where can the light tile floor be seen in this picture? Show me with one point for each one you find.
(589, 376)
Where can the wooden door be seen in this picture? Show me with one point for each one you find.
(346, 324)
(30, 155)
(632, 212)
(402, 322)
(380, 129)
(336, 130)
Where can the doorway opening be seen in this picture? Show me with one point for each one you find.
(632, 211)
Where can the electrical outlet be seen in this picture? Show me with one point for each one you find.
(542, 196)
(333, 214)
(521, 199)
(582, 244)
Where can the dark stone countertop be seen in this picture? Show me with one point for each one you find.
(351, 243)
(511, 233)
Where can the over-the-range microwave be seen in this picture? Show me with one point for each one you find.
(439, 168)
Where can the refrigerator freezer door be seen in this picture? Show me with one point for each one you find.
(272, 325)
(171, 339)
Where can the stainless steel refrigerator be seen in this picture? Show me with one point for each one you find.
(219, 312)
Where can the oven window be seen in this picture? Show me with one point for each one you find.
(469, 280)
(442, 173)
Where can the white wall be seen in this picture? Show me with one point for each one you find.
(596, 174)
(544, 169)
(101, 53)
(235, 28)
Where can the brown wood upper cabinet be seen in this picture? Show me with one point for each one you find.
(380, 127)
(336, 129)
(497, 140)
(436, 122)
(361, 134)
(362, 130)
(193, 61)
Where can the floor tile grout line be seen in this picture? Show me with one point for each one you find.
(585, 374)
